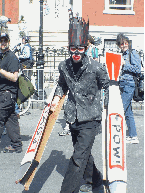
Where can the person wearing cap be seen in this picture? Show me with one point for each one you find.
(9, 67)
(83, 77)
(131, 66)
(91, 51)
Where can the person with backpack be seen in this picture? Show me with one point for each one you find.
(91, 51)
(131, 66)
(25, 57)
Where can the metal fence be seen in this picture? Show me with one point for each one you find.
(52, 58)
(36, 102)
(33, 75)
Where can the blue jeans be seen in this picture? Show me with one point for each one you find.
(127, 91)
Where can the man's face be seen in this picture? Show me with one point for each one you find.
(77, 53)
(124, 46)
(88, 43)
(4, 44)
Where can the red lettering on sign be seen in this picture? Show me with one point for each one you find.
(116, 150)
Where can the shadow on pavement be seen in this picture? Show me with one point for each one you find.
(56, 159)
(26, 137)
(61, 122)
(5, 140)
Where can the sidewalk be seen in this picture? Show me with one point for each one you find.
(54, 162)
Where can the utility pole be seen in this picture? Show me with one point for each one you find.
(40, 62)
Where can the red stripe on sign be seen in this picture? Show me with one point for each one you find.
(29, 148)
(34, 136)
(115, 149)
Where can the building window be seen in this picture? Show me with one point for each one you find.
(110, 45)
(119, 7)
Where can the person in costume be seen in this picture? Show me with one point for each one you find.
(84, 78)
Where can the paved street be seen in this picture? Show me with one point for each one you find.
(56, 156)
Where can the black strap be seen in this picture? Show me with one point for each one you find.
(130, 55)
(130, 73)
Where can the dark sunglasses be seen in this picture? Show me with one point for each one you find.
(3, 40)
(80, 49)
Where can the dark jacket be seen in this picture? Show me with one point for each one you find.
(84, 97)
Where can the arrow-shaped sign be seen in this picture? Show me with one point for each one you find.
(113, 62)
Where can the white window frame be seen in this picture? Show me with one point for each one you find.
(114, 11)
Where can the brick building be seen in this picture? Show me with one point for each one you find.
(109, 17)
(106, 17)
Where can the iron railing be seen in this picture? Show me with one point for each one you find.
(52, 58)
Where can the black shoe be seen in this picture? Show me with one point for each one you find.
(10, 149)
(98, 183)
(89, 187)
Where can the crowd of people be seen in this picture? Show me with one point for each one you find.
(83, 78)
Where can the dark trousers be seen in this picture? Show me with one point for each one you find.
(8, 118)
(81, 165)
